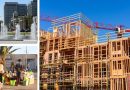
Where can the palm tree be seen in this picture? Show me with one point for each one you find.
(5, 51)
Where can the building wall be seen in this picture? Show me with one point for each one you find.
(22, 9)
(9, 9)
(29, 59)
(100, 65)
(32, 8)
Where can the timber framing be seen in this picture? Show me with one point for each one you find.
(72, 59)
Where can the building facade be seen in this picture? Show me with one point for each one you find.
(32, 8)
(22, 9)
(10, 8)
(72, 58)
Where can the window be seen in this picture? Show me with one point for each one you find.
(80, 53)
(80, 70)
(113, 46)
(56, 44)
(114, 65)
(119, 64)
(118, 46)
(50, 57)
(96, 70)
(55, 55)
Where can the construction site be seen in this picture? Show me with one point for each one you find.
(74, 57)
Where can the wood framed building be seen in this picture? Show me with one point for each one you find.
(73, 57)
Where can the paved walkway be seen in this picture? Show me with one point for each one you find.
(20, 87)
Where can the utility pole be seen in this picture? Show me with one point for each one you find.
(26, 58)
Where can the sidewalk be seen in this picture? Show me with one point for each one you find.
(20, 87)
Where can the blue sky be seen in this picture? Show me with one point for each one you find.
(113, 12)
(30, 49)
(2, 2)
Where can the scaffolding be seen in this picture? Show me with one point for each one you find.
(73, 58)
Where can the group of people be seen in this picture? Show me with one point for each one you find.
(14, 73)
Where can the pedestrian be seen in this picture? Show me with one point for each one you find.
(18, 68)
(12, 67)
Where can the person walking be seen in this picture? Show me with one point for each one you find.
(12, 67)
(18, 71)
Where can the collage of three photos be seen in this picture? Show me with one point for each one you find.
(64, 45)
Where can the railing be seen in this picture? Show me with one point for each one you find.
(111, 36)
(66, 19)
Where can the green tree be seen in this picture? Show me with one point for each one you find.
(26, 21)
(5, 51)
